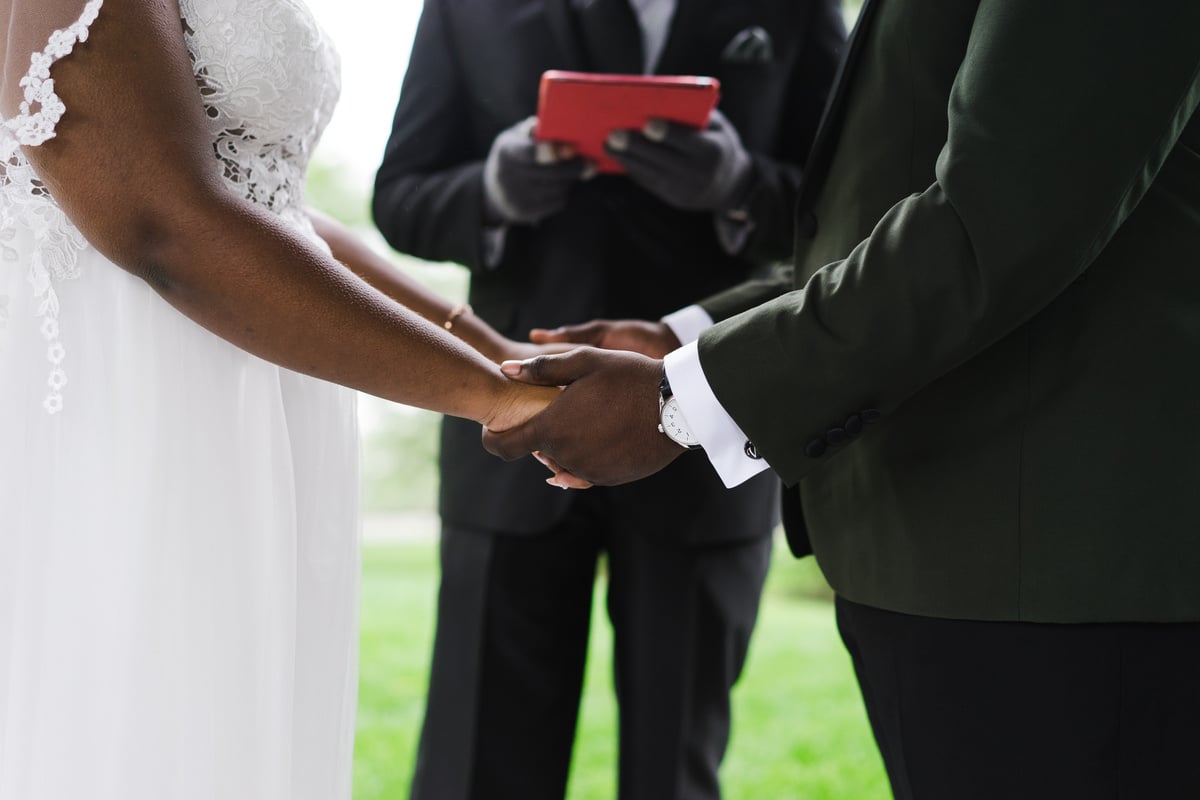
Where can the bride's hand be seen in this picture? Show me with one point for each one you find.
(515, 403)
(654, 339)
(512, 350)
(561, 478)
(520, 402)
(497, 347)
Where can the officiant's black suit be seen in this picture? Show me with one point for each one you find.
(686, 559)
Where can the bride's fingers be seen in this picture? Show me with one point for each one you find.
(565, 480)
(588, 333)
(546, 461)
(562, 478)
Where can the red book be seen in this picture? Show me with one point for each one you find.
(581, 108)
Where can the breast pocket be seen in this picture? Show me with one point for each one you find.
(752, 96)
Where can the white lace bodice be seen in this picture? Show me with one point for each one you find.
(269, 79)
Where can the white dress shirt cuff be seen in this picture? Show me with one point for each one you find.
(688, 323)
(495, 238)
(723, 441)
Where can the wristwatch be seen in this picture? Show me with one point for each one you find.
(671, 421)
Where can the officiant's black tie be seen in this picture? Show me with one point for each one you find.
(611, 34)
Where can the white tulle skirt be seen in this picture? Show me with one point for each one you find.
(178, 559)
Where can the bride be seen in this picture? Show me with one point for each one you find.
(178, 463)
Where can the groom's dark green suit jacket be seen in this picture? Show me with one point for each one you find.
(983, 386)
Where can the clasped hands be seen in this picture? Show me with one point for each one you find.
(602, 428)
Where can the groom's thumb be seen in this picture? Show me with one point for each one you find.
(550, 370)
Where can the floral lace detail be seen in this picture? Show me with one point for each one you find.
(269, 78)
(32, 128)
(24, 201)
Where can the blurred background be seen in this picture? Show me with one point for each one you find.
(799, 729)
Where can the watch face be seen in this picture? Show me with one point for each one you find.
(675, 426)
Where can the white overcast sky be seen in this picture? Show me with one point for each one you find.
(374, 39)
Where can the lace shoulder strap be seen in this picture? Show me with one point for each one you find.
(31, 127)
(25, 203)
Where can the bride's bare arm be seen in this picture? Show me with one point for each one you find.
(133, 168)
(379, 272)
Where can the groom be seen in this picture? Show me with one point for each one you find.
(980, 391)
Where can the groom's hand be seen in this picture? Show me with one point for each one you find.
(603, 426)
(654, 339)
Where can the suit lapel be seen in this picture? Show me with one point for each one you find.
(825, 142)
(566, 35)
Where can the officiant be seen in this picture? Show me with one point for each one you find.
(547, 243)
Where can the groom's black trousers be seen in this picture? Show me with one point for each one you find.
(968, 710)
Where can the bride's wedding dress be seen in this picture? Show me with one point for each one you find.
(178, 518)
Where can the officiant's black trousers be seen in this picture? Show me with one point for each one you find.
(1020, 711)
(512, 642)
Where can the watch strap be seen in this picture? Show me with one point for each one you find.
(665, 394)
(664, 387)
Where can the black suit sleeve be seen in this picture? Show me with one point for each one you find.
(772, 199)
(428, 198)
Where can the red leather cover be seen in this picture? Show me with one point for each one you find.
(581, 108)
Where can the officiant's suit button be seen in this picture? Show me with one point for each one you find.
(836, 437)
(870, 415)
(854, 425)
(815, 449)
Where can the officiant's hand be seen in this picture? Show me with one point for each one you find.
(602, 427)
(653, 339)
(525, 181)
(693, 169)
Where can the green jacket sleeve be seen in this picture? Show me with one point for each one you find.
(1060, 117)
(748, 294)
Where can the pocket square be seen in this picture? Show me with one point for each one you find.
(750, 46)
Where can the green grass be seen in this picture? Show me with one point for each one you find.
(799, 727)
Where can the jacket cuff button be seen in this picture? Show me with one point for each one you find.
(815, 448)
